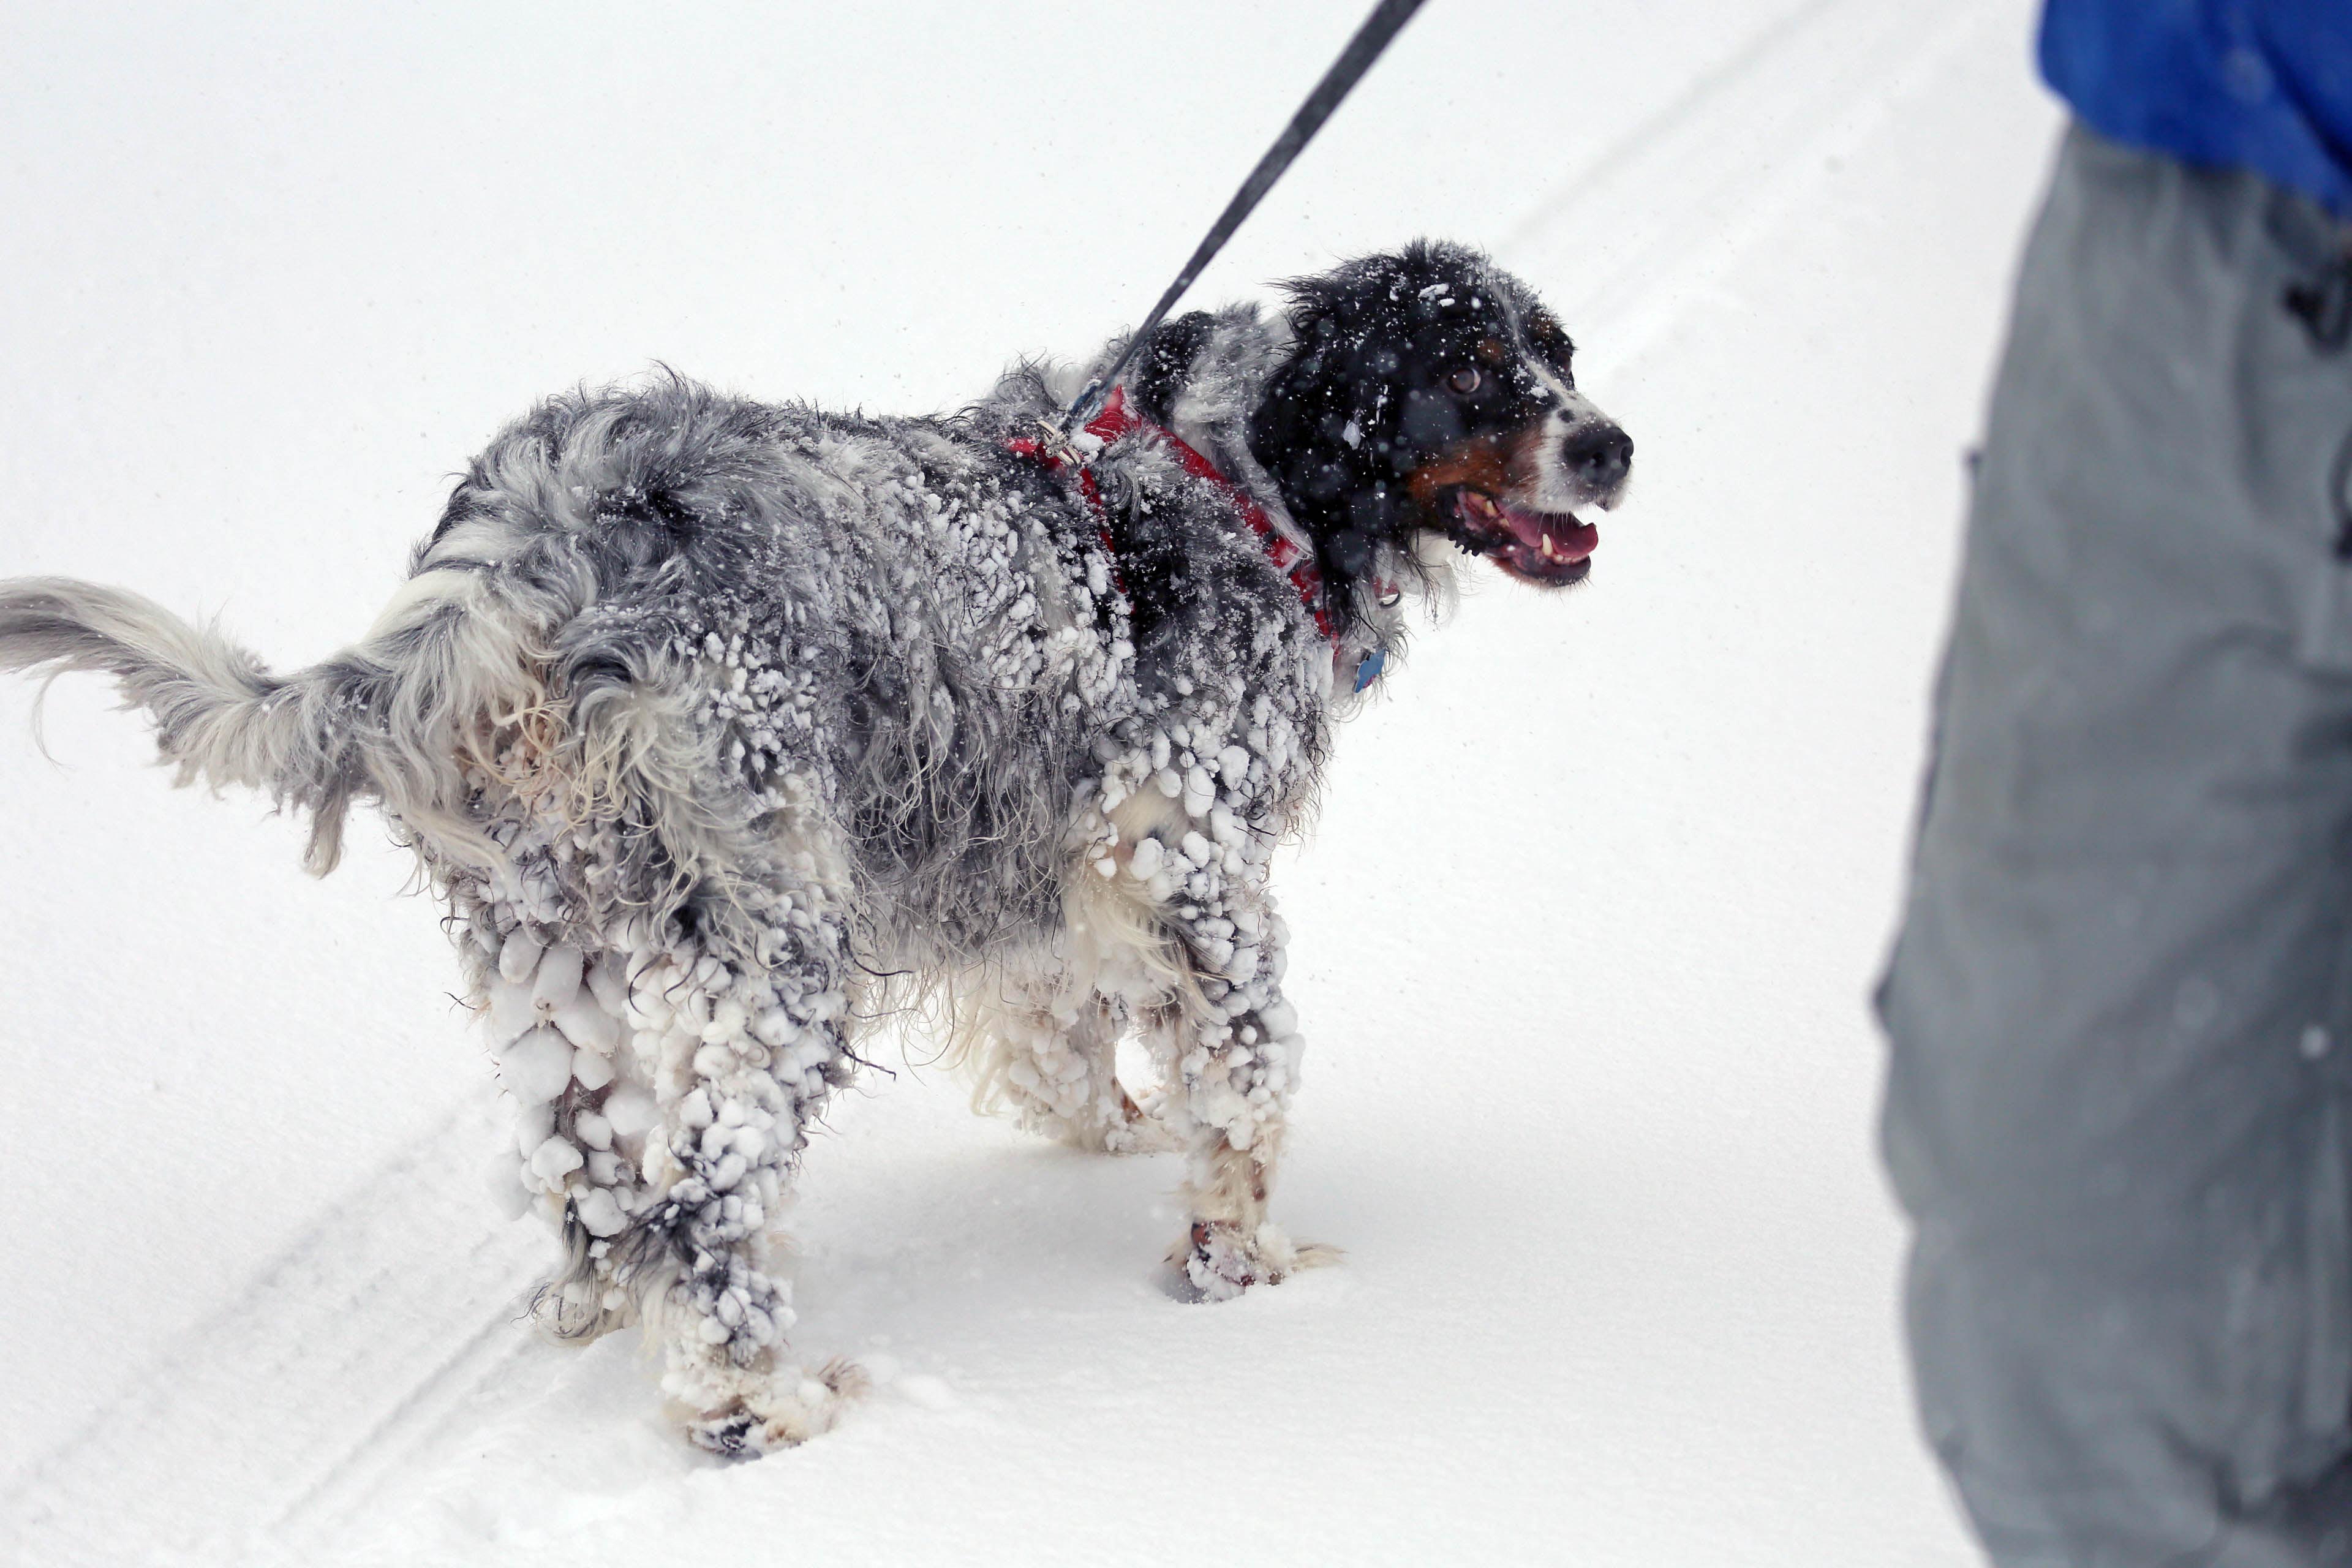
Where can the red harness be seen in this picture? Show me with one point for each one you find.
(1114, 421)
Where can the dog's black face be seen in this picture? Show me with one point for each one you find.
(1429, 392)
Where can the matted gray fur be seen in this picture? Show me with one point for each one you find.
(722, 727)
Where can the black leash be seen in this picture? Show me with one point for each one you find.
(1354, 60)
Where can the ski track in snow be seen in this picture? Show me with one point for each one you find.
(380, 1348)
(392, 1301)
(1657, 221)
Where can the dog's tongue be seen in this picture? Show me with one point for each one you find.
(1556, 539)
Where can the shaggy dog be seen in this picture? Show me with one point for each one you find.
(723, 728)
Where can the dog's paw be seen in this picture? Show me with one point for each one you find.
(1220, 1261)
(793, 1408)
(1140, 1134)
(1103, 1127)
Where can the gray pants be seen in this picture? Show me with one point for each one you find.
(2121, 1004)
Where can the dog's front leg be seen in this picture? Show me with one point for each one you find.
(1229, 1049)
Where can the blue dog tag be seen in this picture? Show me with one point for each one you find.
(1370, 670)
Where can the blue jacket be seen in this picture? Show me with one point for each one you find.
(2263, 85)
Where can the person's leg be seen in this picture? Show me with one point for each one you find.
(2120, 1007)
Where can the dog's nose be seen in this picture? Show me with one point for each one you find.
(1599, 456)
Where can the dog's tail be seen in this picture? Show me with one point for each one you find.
(398, 718)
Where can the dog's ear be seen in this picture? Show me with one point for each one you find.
(1166, 365)
(1326, 428)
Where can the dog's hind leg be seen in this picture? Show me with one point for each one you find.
(1049, 1050)
(666, 1067)
(738, 1026)
(552, 994)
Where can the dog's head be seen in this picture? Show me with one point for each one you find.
(1428, 394)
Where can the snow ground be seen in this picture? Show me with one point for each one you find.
(1582, 938)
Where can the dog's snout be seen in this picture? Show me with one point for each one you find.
(1599, 455)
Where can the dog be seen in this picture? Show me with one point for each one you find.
(722, 729)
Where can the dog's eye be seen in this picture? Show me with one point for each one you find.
(1466, 379)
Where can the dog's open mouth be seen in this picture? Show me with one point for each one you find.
(1552, 548)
